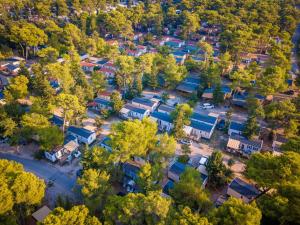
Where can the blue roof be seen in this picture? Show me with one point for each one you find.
(130, 170)
(244, 188)
(69, 138)
(203, 177)
(143, 101)
(201, 126)
(11, 67)
(179, 53)
(80, 131)
(54, 84)
(103, 61)
(193, 80)
(1, 95)
(169, 185)
(102, 101)
(178, 60)
(172, 44)
(162, 116)
(189, 48)
(244, 95)
(58, 121)
(236, 126)
(178, 168)
(204, 118)
(224, 89)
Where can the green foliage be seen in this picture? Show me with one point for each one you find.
(218, 173)
(137, 209)
(218, 95)
(98, 81)
(251, 127)
(235, 211)
(272, 80)
(116, 101)
(270, 171)
(70, 106)
(188, 191)
(185, 216)
(27, 34)
(77, 215)
(95, 188)
(293, 145)
(48, 55)
(8, 126)
(50, 137)
(133, 138)
(149, 177)
(18, 188)
(181, 117)
(17, 89)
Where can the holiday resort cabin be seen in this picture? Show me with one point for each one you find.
(240, 98)
(242, 190)
(236, 128)
(163, 120)
(100, 104)
(83, 135)
(64, 153)
(130, 111)
(208, 92)
(244, 146)
(165, 109)
(145, 103)
(105, 143)
(177, 168)
(189, 85)
(87, 66)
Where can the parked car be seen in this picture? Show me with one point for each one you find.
(207, 106)
(185, 142)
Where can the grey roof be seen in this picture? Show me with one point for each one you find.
(244, 188)
(80, 131)
(135, 109)
(204, 118)
(130, 170)
(243, 140)
(162, 116)
(144, 101)
(187, 87)
(102, 101)
(201, 126)
(166, 108)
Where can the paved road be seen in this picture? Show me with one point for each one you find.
(61, 181)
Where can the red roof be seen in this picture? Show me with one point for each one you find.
(106, 70)
(87, 64)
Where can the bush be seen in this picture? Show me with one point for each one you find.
(183, 159)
